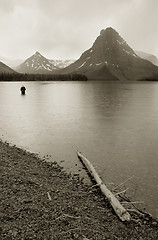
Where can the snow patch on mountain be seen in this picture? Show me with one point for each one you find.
(133, 54)
(61, 63)
(98, 64)
(82, 64)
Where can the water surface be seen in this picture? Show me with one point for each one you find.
(114, 124)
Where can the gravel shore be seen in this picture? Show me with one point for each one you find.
(39, 200)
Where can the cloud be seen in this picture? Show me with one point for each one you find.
(139, 25)
(66, 28)
(75, 24)
(6, 5)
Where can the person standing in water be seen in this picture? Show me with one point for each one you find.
(23, 89)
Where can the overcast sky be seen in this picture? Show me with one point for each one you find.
(64, 29)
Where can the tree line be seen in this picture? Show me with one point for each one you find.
(152, 78)
(41, 77)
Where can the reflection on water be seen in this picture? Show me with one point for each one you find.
(113, 124)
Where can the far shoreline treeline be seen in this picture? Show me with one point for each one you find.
(150, 79)
(20, 77)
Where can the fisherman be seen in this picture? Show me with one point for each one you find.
(23, 89)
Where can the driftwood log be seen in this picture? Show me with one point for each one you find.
(118, 208)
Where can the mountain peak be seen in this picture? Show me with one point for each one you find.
(107, 30)
(108, 39)
(36, 64)
(109, 34)
(110, 57)
(37, 53)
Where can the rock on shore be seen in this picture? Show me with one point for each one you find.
(39, 200)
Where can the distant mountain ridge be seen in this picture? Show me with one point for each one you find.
(111, 57)
(5, 69)
(12, 63)
(150, 57)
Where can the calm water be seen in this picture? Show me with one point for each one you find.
(115, 125)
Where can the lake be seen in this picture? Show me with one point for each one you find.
(113, 124)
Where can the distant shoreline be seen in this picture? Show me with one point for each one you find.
(20, 77)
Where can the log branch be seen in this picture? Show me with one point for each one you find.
(118, 208)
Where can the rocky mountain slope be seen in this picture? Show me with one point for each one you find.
(111, 57)
(36, 64)
(5, 69)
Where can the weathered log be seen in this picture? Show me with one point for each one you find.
(118, 208)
